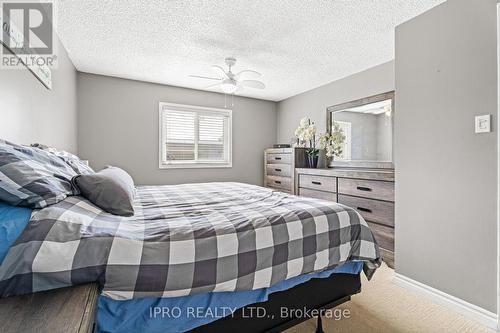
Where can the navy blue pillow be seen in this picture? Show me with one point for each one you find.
(13, 220)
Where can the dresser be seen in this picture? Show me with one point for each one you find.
(69, 310)
(279, 166)
(370, 192)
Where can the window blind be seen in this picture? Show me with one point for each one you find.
(195, 136)
(180, 135)
(211, 137)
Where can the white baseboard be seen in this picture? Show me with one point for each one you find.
(456, 304)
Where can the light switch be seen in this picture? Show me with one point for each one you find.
(483, 124)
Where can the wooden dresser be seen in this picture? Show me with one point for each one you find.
(68, 310)
(279, 166)
(370, 192)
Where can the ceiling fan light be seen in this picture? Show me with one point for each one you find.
(228, 87)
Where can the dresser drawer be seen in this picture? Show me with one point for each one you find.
(387, 256)
(283, 158)
(287, 191)
(384, 236)
(371, 210)
(322, 183)
(330, 196)
(373, 189)
(283, 170)
(279, 182)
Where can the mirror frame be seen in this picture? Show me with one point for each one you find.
(360, 102)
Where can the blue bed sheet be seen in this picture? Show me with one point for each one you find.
(180, 314)
(13, 220)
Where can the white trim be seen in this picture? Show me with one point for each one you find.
(187, 165)
(194, 165)
(456, 304)
(498, 165)
(346, 126)
(189, 107)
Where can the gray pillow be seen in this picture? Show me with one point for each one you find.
(111, 189)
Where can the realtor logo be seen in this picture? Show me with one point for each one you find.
(34, 22)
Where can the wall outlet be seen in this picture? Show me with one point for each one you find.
(483, 124)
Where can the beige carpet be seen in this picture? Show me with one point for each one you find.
(385, 307)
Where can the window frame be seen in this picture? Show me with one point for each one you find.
(163, 164)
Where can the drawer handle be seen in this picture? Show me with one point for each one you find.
(278, 158)
(277, 170)
(277, 182)
(363, 188)
(316, 183)
(364, 209)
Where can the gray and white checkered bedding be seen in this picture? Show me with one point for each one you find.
(186, 239)
(31, 177)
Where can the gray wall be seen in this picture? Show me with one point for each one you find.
(446, 176)
(313, 103)
(371, 135)
(384, 137)
(118, 125)
(30, 113)
(363, 134)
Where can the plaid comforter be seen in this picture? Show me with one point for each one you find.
(186, 239)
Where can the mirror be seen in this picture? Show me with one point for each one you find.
(367, 126)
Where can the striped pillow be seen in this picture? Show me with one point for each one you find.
(33, 178)
(81, 167)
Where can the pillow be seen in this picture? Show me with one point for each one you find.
(13, 220)
(79, 166)
(75, 162)
(111, 189)
(33, 178)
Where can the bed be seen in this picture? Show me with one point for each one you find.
(218, 242)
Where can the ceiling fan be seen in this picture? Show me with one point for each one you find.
(231, 83)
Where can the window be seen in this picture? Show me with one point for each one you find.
(194, 136)
(345, 127)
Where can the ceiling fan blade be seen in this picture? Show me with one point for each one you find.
(219, 70)
(253, 84)
(239, 88)
(205, 77)
(213, 85)
(250, 73)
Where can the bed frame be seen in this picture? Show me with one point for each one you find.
(72, 309)
(320, 294)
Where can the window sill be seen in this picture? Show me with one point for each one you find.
(195, 165)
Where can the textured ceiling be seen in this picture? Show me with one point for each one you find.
(296, 44)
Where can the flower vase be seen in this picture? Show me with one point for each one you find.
(312, 161)
(329, 161)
